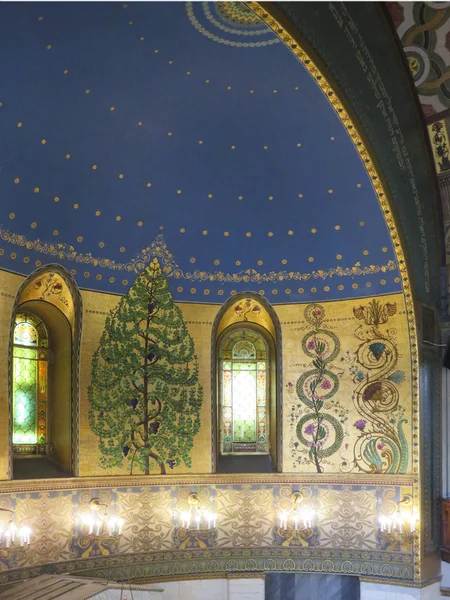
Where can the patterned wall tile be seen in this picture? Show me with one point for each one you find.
(148, 524)
(246, 516)
(347, 518)
(50, 517)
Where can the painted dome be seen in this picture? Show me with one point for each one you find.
(185, 131)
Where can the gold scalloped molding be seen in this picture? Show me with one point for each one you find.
(235, 562)
(293, 44)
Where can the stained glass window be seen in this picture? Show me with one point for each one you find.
(244, 383)
(29, 385)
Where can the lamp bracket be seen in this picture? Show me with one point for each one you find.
(194, 499)
(297, 497)
(96, 505)
(407, 500)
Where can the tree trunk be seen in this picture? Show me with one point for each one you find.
(160, 462)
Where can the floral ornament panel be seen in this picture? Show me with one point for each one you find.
(318, 421)
(440, 145)
(52, 288)
(347, 390)
(381, 445)
(247, 310)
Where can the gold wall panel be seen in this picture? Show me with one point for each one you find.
(370, 372)
(339, 319)
(365, 386)
(199, 319)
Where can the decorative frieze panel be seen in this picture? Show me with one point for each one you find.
(248, 537)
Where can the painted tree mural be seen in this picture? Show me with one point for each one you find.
(144, 396)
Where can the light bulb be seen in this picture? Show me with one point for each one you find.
(120, 523)
(185, 518)
(284, 519)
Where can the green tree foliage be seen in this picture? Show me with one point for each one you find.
(144, 396)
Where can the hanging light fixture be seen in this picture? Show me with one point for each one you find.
(403, 521)
(12, 535)
(301, 516)
(98, 522)
(196, 517)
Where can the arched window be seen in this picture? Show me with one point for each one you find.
(244, 388)
(30, 356)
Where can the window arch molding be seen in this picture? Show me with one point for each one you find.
(270, 328)
(41, 295)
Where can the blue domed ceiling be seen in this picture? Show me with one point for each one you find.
(185, 131)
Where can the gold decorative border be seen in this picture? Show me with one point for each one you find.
(158, 249)
(127, 481)
(263, 12)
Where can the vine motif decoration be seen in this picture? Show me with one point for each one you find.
(247, 307)
(319, 434)
(381, 446)
(159, 250)
(50, 285)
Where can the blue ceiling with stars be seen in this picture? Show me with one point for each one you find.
(185, 131)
